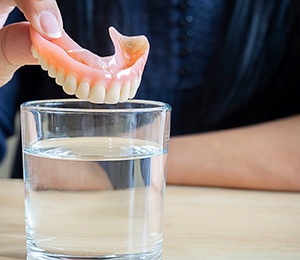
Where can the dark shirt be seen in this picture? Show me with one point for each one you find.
(220, 64)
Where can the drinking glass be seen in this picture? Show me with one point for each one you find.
(94, 178)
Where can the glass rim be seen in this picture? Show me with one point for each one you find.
(41, 105)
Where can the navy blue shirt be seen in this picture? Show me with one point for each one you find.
(220, 64)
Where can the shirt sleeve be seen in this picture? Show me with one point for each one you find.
(9, 105)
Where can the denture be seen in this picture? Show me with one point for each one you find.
(109, 79)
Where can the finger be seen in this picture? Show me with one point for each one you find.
(43, 15)
(6, 6)
(4, 16)
(15, 50)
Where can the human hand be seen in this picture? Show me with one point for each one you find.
(15, 43)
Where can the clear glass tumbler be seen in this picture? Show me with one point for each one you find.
(94, 177)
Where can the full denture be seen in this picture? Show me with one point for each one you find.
(109, 79)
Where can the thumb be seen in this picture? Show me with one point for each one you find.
(43, 15)
(14, 50)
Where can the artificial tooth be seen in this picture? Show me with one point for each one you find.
(52, 71)
(43, 63)
(124, 95)
(97, 93)
(34, 52)
(60, 78)
(135, 85)
(70, 84)
(83, 90)
(113, 93)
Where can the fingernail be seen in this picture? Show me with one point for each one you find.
(50, 25)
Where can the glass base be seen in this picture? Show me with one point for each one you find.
(140, 256)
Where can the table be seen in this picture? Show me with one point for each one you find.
(200, 223)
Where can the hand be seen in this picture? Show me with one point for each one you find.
(15, 43)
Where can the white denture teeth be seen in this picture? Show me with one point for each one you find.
(83, 90)
(97, 93)
(34, 52)
(124, 95)
(70, 84)
(113, 93)
(134, 87)
(60, 78)
(52, 71)
(43, 63)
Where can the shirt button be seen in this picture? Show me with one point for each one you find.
(190, 33)
(189, 18)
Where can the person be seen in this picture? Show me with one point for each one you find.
(229, 69)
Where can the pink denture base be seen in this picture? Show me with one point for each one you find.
(67, 56)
